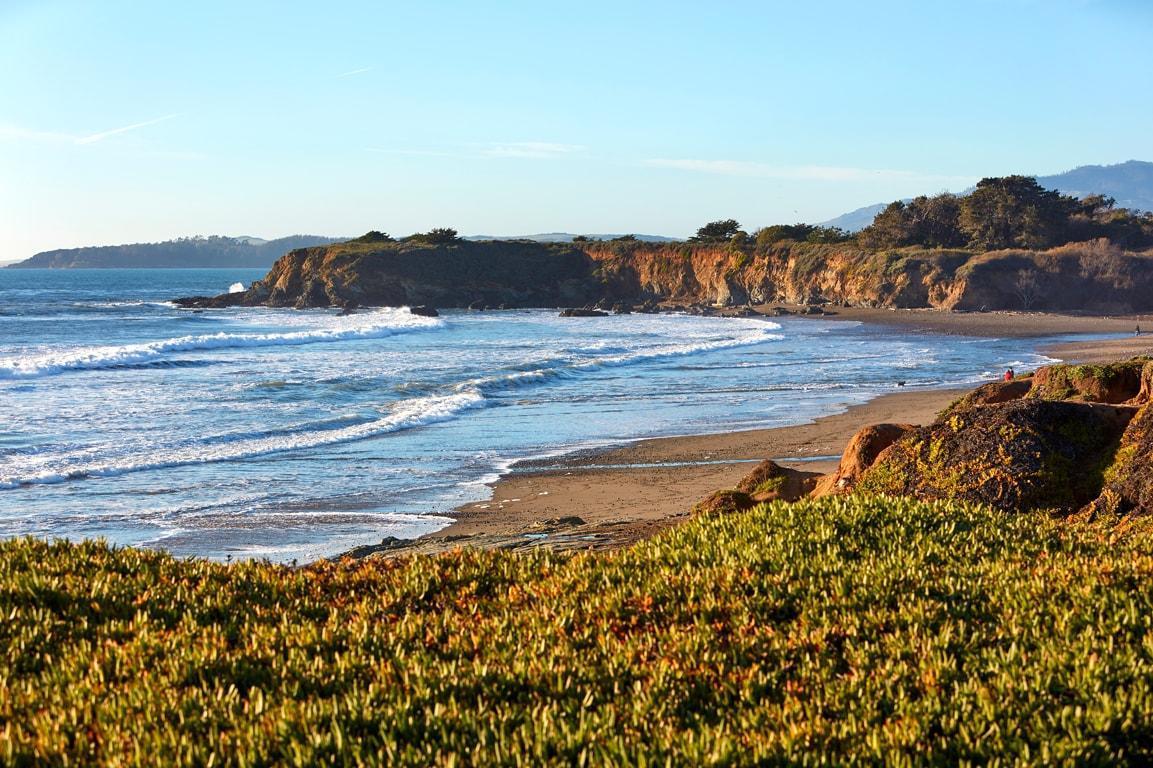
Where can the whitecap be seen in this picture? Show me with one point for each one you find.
(403, 415)
(375, 325)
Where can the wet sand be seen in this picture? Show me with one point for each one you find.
(608, 499)
(992, 324)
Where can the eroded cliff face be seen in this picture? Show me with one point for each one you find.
(1095, 277)
(794, 273)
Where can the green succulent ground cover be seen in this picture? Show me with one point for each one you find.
(841, 630)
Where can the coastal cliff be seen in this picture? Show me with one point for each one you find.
(456, 274)
(1094, 276)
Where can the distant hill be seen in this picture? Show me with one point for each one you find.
(854, 221)
(1129, 183)
(215, 251)
(567, 237)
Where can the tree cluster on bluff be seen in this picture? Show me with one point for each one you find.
(1000, 213)
(1006, 212)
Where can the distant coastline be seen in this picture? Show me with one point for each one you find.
(215, 252)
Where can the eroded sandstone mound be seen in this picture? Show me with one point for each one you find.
(860, 454)
(1119, 382)
(770, 481)
(1128, 487)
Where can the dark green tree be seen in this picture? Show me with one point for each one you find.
(716, 231)
(440, 236)
(1015, 212)
(927, 221)
(374, 236)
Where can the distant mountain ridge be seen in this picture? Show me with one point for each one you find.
(1129, 183)
(567, 237)
(186, 252)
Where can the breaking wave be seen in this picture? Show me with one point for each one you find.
(448, 404)
(379, 324)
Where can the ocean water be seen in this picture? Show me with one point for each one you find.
(292, 435)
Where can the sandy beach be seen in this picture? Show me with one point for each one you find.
(608, 499)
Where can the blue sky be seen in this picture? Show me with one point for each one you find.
(136, 121)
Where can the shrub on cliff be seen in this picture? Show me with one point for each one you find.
(436, 236)
(846, 630)
(374, 236)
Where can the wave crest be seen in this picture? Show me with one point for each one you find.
(378, 324)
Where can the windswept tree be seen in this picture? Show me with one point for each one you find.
(440, 236)
(716, 231)
(374, 236)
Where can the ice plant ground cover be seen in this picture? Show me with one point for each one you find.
(870, 630)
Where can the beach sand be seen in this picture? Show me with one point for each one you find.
(608, 499)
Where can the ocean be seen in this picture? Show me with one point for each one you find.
(292, 435)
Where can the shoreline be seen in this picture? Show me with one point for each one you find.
(607, 498)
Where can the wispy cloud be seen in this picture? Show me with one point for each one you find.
(530, 149)
(798, 172)
(352, 72)
(123, 129)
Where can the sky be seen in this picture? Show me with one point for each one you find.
(141, 121)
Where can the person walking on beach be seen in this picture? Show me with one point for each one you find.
(1009, 374)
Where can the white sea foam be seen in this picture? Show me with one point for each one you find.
(559, 369)
(55, 468)
(407, 414)
(375, 325)
(236, 288)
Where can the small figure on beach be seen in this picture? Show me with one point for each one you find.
(1137, 332)
(1009, 374)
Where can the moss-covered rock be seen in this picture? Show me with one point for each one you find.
(770, 481)
(724, 503)
(1128, 485)
(1118, 382)
(1020, 455)
(992, 393)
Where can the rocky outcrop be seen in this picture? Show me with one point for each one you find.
(860, 454)
(1016, 456)
(1067, 437)
(724, 503)
(1128, 486)
(483, 274)
(1094, 276)
(1070, 438)
(770, 481)
(1120, 382)
(577, 312)
(992, 393)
